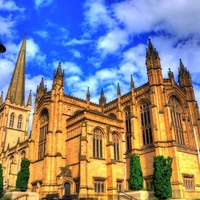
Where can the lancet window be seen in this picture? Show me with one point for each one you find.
(128, 128)
(44, 121)
(12, 118)
(176, 115)
(98, 143)
(146, 123)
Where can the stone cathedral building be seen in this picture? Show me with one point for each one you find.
(77, 147)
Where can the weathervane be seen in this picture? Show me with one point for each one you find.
(2, 48)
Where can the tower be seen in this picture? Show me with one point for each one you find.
(14, 114)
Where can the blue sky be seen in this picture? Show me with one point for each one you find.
(98, 42)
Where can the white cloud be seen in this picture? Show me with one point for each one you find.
(145, 16)
(97, 14)
(9, 5)
(33, 53)
(112, 41)
(76, 42)
(42, 3)
(7, 25)
(76, 53)
(42, 33)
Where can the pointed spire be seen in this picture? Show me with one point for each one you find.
(151, 51)
(182, 69)
(17, 85)
(58, 76)
(59, 72)
(102, 99)
(118, 90)
(29, 102)
(184, 77)
(41, 86)
(132, 82)
(88, 95)
(1, 98)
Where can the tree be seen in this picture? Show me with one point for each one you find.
(161, 177)
(1, 181)
(136, 176)
(23, 175)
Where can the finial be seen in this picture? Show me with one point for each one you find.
(118, 90)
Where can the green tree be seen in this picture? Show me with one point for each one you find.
(1, 181)
(162, 176)
(136, 176)
(23, 175)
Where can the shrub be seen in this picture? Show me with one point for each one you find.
(136, 176)
(161, 177)
(23, 175)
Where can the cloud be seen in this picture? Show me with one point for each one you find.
(33, 53)
(7, 25)
(145, 16)
(112, 41)
(9, 5)
(76, 42)
(97, 15)
(42, 33)
(42, 3)
(76, 53)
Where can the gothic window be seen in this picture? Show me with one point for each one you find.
(116, 146)
(19, 124)
(146, 123)
(98, 143)
(44, 120)
(128, 128)
(99, 186)
(176, 112)
(12, 117)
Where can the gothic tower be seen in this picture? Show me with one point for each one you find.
(14, 114)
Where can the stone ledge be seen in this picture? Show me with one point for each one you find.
(22, 195)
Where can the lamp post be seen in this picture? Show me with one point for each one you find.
(2, 48)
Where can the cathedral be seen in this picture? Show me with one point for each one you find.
(80, 148)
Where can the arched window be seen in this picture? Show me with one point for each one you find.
(128, 128)
(176, 112)
(19, 124)
(44, 120)
(98, 143)
(12, 118)
(146, 123)
(116, 146)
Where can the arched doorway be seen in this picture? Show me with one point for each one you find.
(67, 189)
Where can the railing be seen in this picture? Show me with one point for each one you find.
(126, 196)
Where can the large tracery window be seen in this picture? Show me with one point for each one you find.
(176, 112)
(128, 128)
(19, 124)
(44, 120)
(12, 118)
(146, 123)
(116, 146)
(98, 143)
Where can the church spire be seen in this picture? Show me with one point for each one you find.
(184, 77)
(102, 99)
(17, 85)
(29, 102)
(1, 98)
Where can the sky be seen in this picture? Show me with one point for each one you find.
(99, 43)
